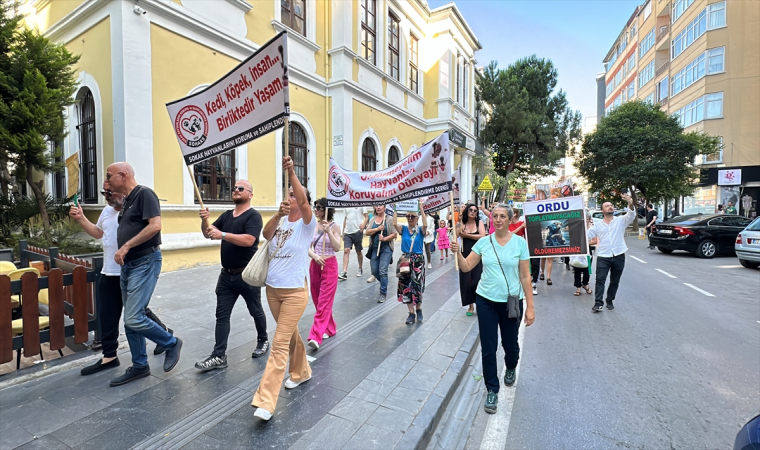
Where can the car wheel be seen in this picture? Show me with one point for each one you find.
(749, 264)
(706, 249)
(667, 251)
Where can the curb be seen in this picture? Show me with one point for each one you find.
(418, 435)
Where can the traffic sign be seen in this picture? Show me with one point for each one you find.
(486, 185)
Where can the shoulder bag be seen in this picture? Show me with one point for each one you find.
(513, 301)
(580, 262)
(255, 272)
(404, 267)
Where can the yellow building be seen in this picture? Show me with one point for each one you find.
(700, 60)
(371, 80)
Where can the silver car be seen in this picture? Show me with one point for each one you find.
(748, 245)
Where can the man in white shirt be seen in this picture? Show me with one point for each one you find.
(610, 250)
(354, 224)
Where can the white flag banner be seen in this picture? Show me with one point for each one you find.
(438, 202)
(247, 103)
(423, 173)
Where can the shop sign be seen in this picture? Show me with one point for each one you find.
(730, 177)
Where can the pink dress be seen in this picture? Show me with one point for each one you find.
(443, 238)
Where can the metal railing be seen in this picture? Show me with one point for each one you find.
(662, 69)
(662, 34)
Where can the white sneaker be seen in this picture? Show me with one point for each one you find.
(371, 279)
(360, 272)
(535, 290)
(313, 344)
(290, 384)
(325, 336)
(262, 414)
(429, 266)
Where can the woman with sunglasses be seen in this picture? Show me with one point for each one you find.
(412, 285)
(470, 230)
(323, 272)
(506, 273)
(382, 235)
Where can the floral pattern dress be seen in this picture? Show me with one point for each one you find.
(410, 289)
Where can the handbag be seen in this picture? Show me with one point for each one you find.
(513, 301)
(255, 272)
(404, 268)
(580, 262)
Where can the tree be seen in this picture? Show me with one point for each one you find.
(9, 23)
(529, 128)
(641, 147)
(36, 84)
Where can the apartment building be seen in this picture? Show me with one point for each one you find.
(700, 61)
(371, 80)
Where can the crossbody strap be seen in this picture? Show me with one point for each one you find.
(509, 290)
(279, 245)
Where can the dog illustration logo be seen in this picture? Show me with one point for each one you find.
(337, 182)
(191, 126)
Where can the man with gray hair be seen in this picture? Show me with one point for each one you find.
(139, 255)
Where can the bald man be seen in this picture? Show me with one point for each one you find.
(139, 255)
(239, 231)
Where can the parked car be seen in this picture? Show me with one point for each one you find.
(706, 235)
(748, 438)
(747, 245)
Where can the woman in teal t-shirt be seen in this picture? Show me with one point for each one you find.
(506, 269)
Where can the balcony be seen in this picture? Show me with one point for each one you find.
(661, 69)
(663, 101)
(664, 30)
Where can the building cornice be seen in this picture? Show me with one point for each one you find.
(79, 13)
(292, 34)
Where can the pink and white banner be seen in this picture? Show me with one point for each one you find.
(247, 103)
(423, 173)
(438, 202)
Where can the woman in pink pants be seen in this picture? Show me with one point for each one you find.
(323, 272)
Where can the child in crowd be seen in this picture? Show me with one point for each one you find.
(443, 238)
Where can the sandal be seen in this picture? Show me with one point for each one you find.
(588, 291)
(541, 277)
(549, 281)
(577, 292)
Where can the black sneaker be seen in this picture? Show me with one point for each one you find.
(610, 306)
(410, 319)
(382, 298)
(160, 348)
(98, 366)
(172, 356)
(132, 373)
(509, 377)
(343, 276)
(492, 400)
(419, 315)
(212, 362)
(261, 349)
(597, 308)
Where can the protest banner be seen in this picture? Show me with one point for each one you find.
(72, 176)
(408, 206)
(437, 202)
(556, 227)
(423, 173)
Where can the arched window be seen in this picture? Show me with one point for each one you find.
(293, 14)
(88, 159)
(369, 156)
(393, 155)
(299, 152)
(215, 177)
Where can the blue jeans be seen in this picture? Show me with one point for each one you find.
(379, 265)
(138, 280)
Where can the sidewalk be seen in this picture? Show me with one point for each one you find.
(382, 377)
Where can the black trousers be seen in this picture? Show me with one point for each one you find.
(228, 289)
(109, 313)
(492, 318)
(614, 266)
(535, 268)
(581, 276)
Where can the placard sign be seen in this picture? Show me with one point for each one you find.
(556, 227)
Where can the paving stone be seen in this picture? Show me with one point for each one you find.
(330, 432)
(65, 400)
(354, 409)
(44, 443)
(422, 377)
(86, 428)
(369, 437)
(350, 374)
(435, 359)
(397, 363)
(204, 442)
(406, 399)
(15, 436)
(120, 437)
(40, 417)
(390, 419)
(372, 391)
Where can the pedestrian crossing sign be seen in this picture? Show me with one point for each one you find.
(485, 185)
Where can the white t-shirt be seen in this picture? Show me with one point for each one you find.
(108, 223)
(289, 267)
(430, 230)
(354, 219)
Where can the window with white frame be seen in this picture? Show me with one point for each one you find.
(608, 110)
(632, 62)
(613, 58)
(623, 42)
(618, 78)
(631, 90)
(393, 47)
(716, 60)
(709, 106)
(710, 62)
(712, 17)
(714, 157)
(716, 15)
(650, 99)
(647, 10)
(293, 14)
(465, 74)
(661, 90)
(459, 77)
(646, 74)
(369, 38)
(647, 43)
(633, 31)
(618, 100)
(610, 87)
(414, 75)
(714, 105)
(679, 6)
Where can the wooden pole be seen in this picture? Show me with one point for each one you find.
(286, 150)
(454, 226)
(195, 185)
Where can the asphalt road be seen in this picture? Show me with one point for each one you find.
(670, 367)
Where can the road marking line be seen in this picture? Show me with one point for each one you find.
(639, 260)
(665, 273)
(729, 267)
(495, 435)
(699, 290)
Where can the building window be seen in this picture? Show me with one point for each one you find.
(618, 78)
(459, 76)
(610, 87)
(58, 188)
(698, 27)
(646, 74)
(293, 14)
(215, 178)
(646, 44)
(369, 156)
(368, 30)
(299, 152)
(88, 158)
(717, 15)
(715, 157)
(707, 63)
(413, 64)
(709, 106)
(633, 31)
(714, 105)
(679, 6)
(393, 47)
(632, 90)
(650, 99)
(715, 60)
(661, 90)
(393, 155)
(618, 101)
(465, 74)
(647, 10)
(632, 62)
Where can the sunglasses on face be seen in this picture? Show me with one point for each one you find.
(108, 175)
(239, 188)
(410, 216)
(319, 208)
(105, 193)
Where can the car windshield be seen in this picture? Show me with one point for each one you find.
(754, 226)
(689, 219)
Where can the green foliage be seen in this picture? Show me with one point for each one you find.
(529, 127)
(20, 214)
(640, 146)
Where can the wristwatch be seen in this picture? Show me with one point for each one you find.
(223, 235)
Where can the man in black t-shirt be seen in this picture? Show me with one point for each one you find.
(139, 237)
(651, 218)
(239, 231)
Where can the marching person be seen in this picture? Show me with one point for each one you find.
(354, 223)
(382, 236)
(471, 229)
(139, 238)
(239, 231)
(412, 285)
(611, 250)
(109, 289)
(651, 219)
(289, 233)
(430, 239)
(504, 258)
(581, 275)
(323, 272)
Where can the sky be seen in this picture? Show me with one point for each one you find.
(575, 35)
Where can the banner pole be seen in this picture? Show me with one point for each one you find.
(286, 150)
(454, 226)
(195, 185)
